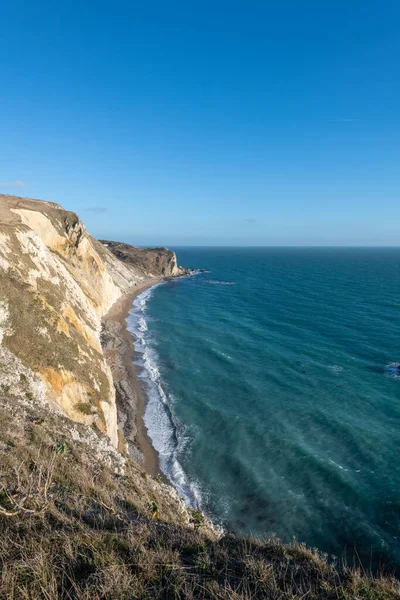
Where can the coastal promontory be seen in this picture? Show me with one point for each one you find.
(83, 513)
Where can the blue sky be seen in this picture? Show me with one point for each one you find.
(207, 123)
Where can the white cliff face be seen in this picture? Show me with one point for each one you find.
(56, 282)
(4, 320)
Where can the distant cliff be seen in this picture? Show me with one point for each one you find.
(56, 283)
(148, 261)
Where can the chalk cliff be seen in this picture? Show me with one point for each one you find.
(56, 283)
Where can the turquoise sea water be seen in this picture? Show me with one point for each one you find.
(274, 394)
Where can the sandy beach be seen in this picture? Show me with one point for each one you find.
(119, 348)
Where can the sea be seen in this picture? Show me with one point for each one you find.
(272, 382)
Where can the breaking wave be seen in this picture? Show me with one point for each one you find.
(393, 370)
(167, 435)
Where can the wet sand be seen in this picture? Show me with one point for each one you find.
(118, 348)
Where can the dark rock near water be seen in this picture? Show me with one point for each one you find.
(159, 262)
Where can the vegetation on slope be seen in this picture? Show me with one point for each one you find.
(78, 521)
(158, 261)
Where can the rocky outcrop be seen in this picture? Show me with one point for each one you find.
(56, 283)
(148, 261)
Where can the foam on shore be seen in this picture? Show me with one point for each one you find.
(167, 435)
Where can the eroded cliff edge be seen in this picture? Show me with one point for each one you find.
(56, 283)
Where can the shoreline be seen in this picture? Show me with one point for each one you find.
(118, 348)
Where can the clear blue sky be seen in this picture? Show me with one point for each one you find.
(207, 122)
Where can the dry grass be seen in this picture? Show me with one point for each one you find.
(78, 530)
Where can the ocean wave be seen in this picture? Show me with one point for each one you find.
(335, 368)
(335, 464)
(393, 370)
(142, 324)
(221, 354)
(137, 323)
(167, 435)
(219, 282)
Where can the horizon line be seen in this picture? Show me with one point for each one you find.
(271, 246)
